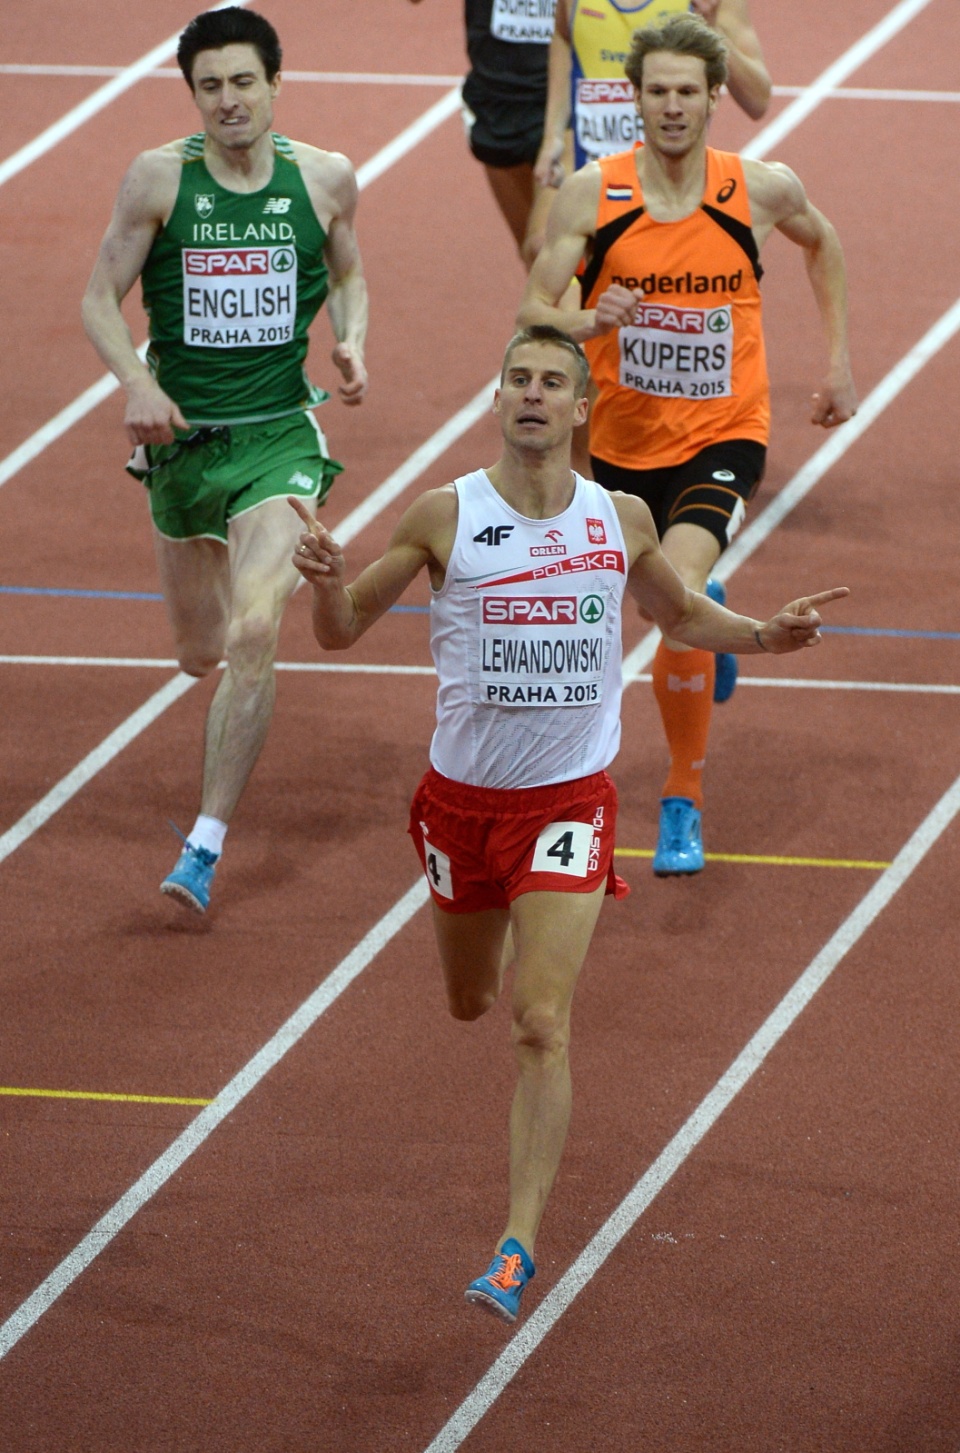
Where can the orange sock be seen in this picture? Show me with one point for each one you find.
(683, 686)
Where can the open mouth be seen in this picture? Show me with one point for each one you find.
(530, 419)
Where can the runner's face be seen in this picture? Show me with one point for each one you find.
(538, 402)
(233, 95)
(675, 102)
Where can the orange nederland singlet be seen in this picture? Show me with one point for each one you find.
(692, 369)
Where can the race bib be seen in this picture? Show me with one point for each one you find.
(239, 297)
(606, 117)
(542, 650)
(523, 21)
(684, 353)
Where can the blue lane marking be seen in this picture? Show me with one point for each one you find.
(876, 631)
(84, 594)
(144, 595)
(425, 610)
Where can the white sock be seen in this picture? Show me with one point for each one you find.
(209, 833)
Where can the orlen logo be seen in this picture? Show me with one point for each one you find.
(238, 262)
(530, 610)
(598, 93)
(670, 320)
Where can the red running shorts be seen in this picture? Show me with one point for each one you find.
(481, 847)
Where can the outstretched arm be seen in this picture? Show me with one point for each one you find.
(695, 620)
(342, 613)
(748, 79)
(145, 200)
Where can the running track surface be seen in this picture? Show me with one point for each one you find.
(785, 1276)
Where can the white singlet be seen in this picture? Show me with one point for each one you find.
(525, 635)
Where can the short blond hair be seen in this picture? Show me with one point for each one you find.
(547, 333)
(680, 35)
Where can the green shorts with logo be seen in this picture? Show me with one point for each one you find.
(213, 474)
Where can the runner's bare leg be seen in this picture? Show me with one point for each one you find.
(552, 933)
(262, 581)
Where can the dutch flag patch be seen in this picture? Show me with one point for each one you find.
(619, 194)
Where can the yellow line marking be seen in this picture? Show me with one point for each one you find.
(758, 858)
(100, 1095)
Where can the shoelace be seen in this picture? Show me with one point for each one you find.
(505, 1276)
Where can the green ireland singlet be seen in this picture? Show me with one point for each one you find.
(231, 286)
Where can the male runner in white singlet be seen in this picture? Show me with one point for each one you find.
(514, 822)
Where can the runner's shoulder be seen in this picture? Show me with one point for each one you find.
(577, 200)
(153, 178)
(774, 187)
(435, 509)
(329, 169)
(636, 522)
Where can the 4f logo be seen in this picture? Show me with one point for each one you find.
(204, 202)
(493, 535)
(277, 204)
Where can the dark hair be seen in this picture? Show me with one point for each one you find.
(232, 26)
(546, 333)
(680, 35)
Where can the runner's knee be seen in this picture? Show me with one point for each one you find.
(198, 663)
(252, 640)
(541, 1029)
(469, 1004)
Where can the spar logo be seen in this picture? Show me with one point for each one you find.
(604, 93)
(591, 609)
(670, 320)
(236, 261)
(532, 610)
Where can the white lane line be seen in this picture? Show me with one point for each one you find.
(705, 1116)
(428, 453)
(341, 668)
(51, 431)
(408, 138)
(335, 78)
(385, 78)
(836, 445)
(75, 118)
(156, 1176)
(157, 663)
(871, 93)
(858, 54)
(93, 763)
(388, 156)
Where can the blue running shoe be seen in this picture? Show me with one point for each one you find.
(500, 1288)
(727, 667)
(192, 878)
(679, 847)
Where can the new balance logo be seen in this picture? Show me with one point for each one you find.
(493, 535)
(677, 683)
(300, 481)
(277, 204)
